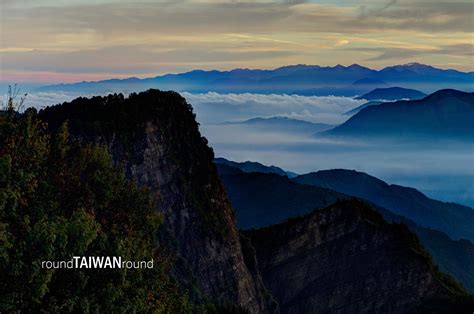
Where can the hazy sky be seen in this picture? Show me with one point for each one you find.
(71, 40)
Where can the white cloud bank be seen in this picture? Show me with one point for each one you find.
(445, 173)
(214, 108)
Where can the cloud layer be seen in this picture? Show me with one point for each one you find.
(215, 108)
(445, 173)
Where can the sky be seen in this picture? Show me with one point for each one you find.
(46, 41)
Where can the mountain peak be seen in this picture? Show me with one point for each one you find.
(392, 93)
(356, 66)
(448, 92)
(423, 119)
(415, 67)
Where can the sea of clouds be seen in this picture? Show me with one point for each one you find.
(214, 108)
(445, 173)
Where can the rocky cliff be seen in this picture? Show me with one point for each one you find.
(347, 259)
(155, 137)
(344, 258)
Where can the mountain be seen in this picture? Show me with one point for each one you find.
(415, 67)
(298, 79)
(283, 124)
(454, 219)
(359, 108)
(251, 166)
(346, 258)
(444, 114)
(263, 199)
(154, 137)
(279, 199)
(393, 93)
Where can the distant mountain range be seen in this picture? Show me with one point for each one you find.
(444, 114)
(263, 199)
(300, 79)
(279, 198)
(283, 124)
(393, 93)
(454, 219)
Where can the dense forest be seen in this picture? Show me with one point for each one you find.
(61, 198)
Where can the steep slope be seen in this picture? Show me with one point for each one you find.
(455, 257)
(393, 93)
(268, 200)
(454, 219)
(262, 199)
(155, 137)
(347, 259)
(443, 114)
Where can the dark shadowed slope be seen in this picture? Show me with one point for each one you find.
(393, 93)
(454, 219)
(444, 114)
(347, 259)
(261, 200)
(252, 166)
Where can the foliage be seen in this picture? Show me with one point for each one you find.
(121, 122)
(60, 199)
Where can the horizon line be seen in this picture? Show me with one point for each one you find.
(124, 77)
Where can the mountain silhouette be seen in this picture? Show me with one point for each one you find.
(444, 114)
(454, 219)
(263, 199)
(252, 166)
(299, 79)
(392, 93)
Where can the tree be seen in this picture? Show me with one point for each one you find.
(60, 198)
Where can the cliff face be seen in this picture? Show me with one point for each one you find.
(346, 259)
(155, 137)
(279, 198)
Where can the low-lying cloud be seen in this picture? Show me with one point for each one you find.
(215, 108)
(444, 173)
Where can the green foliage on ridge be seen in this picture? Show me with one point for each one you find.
(60, 199)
